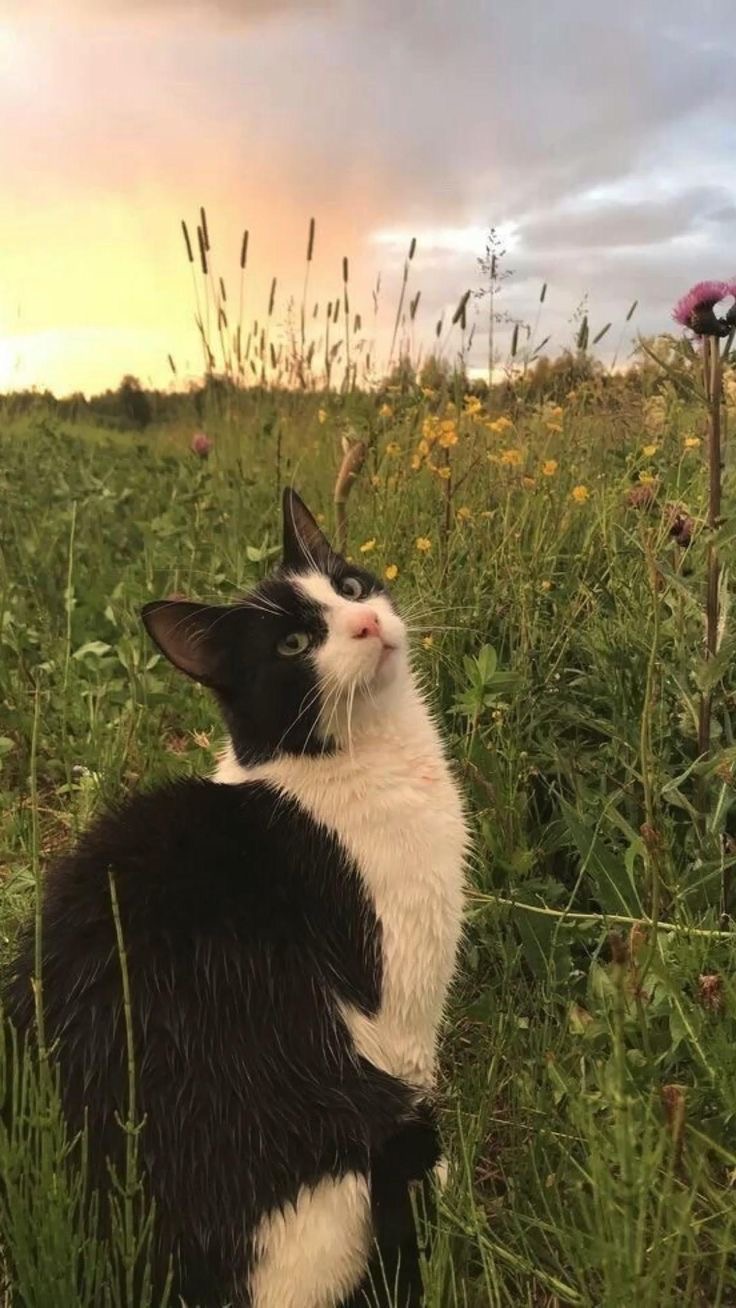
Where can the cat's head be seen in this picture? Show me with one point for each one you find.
(314, 649)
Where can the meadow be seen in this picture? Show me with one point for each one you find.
(549, 553)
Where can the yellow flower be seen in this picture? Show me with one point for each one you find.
(553, 426)
(692, 442)
(368, 545)
(322, 415)
(416, 463)
(393, 448)
(511, 458)
(424, 544)
(391, 572)
(423, 447)
(444, 472)
(464, 514)
(647, 479)
(428, 642)
(545, 585)
(500, 424)
(580, 494)
(549, 468)
(649, 450)
(472, 404)
(385, 411)
(448, 435)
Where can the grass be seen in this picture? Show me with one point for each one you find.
(589, 1070)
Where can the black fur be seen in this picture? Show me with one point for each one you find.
(244, 926)
(270, 703)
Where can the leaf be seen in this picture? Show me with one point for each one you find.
(97, 648)
(607, 870)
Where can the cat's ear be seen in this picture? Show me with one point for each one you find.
(304, 544)
(191, 636)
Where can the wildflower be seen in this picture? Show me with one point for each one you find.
(391, 572)
(500, 425)
(710, 991)
(472, 405)
(448, 435)
(695, 310)
(464, 514)
(444, 472)
(642, 496)
(545, 585)
(553, 426)
(549, 468)
(681, 525)
(649, 450)
(201, 444)
(393, 448)
(416, 463)
(511, 458)
(423, 447)
(691, 442)
(385, 411)
(424, 544)
(368, 545)
(647, 478)
(580, 494)
(322, 415)
(428, 642)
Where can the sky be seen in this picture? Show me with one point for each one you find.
(599, 139)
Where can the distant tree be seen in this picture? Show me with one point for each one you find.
(133, 402)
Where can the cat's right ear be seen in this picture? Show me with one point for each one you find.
(191, 637)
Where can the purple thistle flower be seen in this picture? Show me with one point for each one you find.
(201, 444)
(695, 310)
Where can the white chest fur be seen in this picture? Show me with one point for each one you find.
(396, 809)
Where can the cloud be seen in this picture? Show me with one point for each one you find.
(602, 139)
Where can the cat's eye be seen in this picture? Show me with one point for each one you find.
(351, 588)
(295, 643)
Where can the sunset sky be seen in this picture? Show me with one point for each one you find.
(600, 138)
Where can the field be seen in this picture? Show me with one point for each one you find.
(551, 558)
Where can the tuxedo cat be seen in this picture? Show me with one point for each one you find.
(290, 928)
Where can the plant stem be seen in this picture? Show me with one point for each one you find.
(712, 380)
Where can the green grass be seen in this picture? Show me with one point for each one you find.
(589, 1072)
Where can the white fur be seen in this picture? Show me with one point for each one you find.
(388, 794)
(313, 1253)
(390, 797)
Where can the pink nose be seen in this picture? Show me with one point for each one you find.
(365, 624)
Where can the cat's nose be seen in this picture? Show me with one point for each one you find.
(365, 624)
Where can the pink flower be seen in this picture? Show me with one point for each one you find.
(201, 444)
(695, 310)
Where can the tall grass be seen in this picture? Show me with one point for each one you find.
(589, 1067)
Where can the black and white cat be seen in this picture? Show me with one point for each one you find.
(291, 928)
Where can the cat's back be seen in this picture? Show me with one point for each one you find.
(189, 854)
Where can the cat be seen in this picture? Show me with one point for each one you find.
(291, 926)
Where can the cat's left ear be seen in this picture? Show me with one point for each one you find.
(305, 546)
(192, 637)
